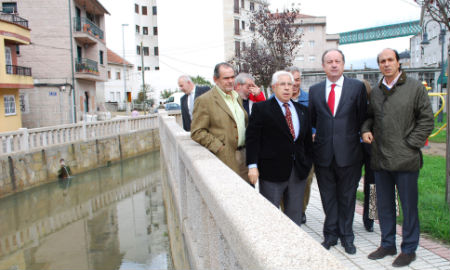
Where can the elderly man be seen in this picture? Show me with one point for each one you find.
(399, 121)
(245, 86)
(219, 121)
(279, 147)
(338, 107)
(191, 92)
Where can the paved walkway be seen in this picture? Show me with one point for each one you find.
(430, 255)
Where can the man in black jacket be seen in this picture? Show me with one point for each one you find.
(191, 92)
(279, 147)
(399, 121)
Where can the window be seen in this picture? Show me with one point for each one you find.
(9, 7)
(312, 58)
(138, 29)
(243, 25)
(311, 43)
(146, 52)
(155, 31)
(147, 68)
(154, 10)
(138, 50)
(243, 46)
(101, 57)
(156, 50)
(156, 68)
(236, 6)
(300, 58)
(311, 28)
(252, 27)
(118, 75)
(236, 27)
(17, 49)
(237, 49)
(109, 74)
(144, 10)
(136, 8)
(139, 68)
(10, 104)
(301, 44)
(145, 30)
(252, 6)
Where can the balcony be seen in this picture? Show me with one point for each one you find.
(12, 18)
(86, 66)
(86, 31)
(18, 70)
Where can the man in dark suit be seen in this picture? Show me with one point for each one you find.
(337, 108)
(191, 92)
(279, 147)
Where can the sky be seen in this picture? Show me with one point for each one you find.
(190, 39)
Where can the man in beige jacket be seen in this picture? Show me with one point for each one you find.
(219, 121)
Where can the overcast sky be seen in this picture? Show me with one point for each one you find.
(190, 41)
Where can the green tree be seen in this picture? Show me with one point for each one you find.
(166, 93)
(199, 80)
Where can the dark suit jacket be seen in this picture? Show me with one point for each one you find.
(338, 136)
(269, 142)
(199, 90)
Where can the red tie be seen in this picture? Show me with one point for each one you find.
(289, 119)
(331, 99)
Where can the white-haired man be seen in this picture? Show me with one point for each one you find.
(191, 92)
(244, 85)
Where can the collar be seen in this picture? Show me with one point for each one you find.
(234, 94)
(281, 103)
(392, 84)
(339, 82)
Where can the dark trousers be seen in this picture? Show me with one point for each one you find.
(337, 186)
(368, 179)
(292, 192)
(406, 183)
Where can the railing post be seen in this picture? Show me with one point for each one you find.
(84, 131)
(8, 144)
(24, 144)
(127, 125)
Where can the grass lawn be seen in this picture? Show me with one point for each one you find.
(441, 137)
(434, 213)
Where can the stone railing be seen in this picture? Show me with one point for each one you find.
(25, 140)
(217, 221)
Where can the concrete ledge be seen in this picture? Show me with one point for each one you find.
(226, 223)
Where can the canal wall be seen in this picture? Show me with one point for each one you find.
(217, 221)
(26, 169)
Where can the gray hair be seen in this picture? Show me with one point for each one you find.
(330, 50)
(185, 78)
(242, 78)
(217, 67)
(293, 69)
(279, 73)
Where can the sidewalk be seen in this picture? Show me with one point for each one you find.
(430, 255)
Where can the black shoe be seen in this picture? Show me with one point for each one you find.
(404, 259)
(303, 218)
(329, 243)
(382, 252)
(349, 248)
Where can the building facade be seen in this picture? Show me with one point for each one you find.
(14, 32)
(68, 56)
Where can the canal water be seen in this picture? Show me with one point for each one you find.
(109, 218)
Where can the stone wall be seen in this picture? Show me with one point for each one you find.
(217, 221)
(24, 170)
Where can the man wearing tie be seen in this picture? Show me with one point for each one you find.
(244, 85)
(337, 108)
(279, 147)
(191, 92)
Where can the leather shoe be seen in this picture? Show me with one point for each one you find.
(404, 259)
(328, 243)
(382, 252)
(349, 248)
(303, 218)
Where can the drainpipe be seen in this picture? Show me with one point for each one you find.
(74, 108)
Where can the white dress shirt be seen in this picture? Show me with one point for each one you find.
(337, 91)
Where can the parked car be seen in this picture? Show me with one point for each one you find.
(172, 106)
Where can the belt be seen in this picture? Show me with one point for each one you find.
(240, 148)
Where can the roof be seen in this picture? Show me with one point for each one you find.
(114, 58)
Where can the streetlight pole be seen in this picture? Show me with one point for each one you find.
(125, 69)
(425, 41)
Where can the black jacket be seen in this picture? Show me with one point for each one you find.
(198, 91)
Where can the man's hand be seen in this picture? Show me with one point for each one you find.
(313, 137)
(253, 175)
(255, 90)
(367, 137)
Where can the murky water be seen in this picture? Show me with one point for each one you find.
(109, 218)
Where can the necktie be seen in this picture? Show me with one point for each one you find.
(246, 107)
(288, 117)
(331, 99)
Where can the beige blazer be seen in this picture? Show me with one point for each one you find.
(213, 126)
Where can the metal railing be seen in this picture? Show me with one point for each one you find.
(9, 17)
(82, 24)
(18, 70)
(441, 109)
(37, 138)
(85, 65)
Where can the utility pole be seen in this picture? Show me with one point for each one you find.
(143, 73)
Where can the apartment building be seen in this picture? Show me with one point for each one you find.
(67, 56)
(14, 32)
(137, 21)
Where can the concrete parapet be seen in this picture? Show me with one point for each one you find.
(217, 221)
